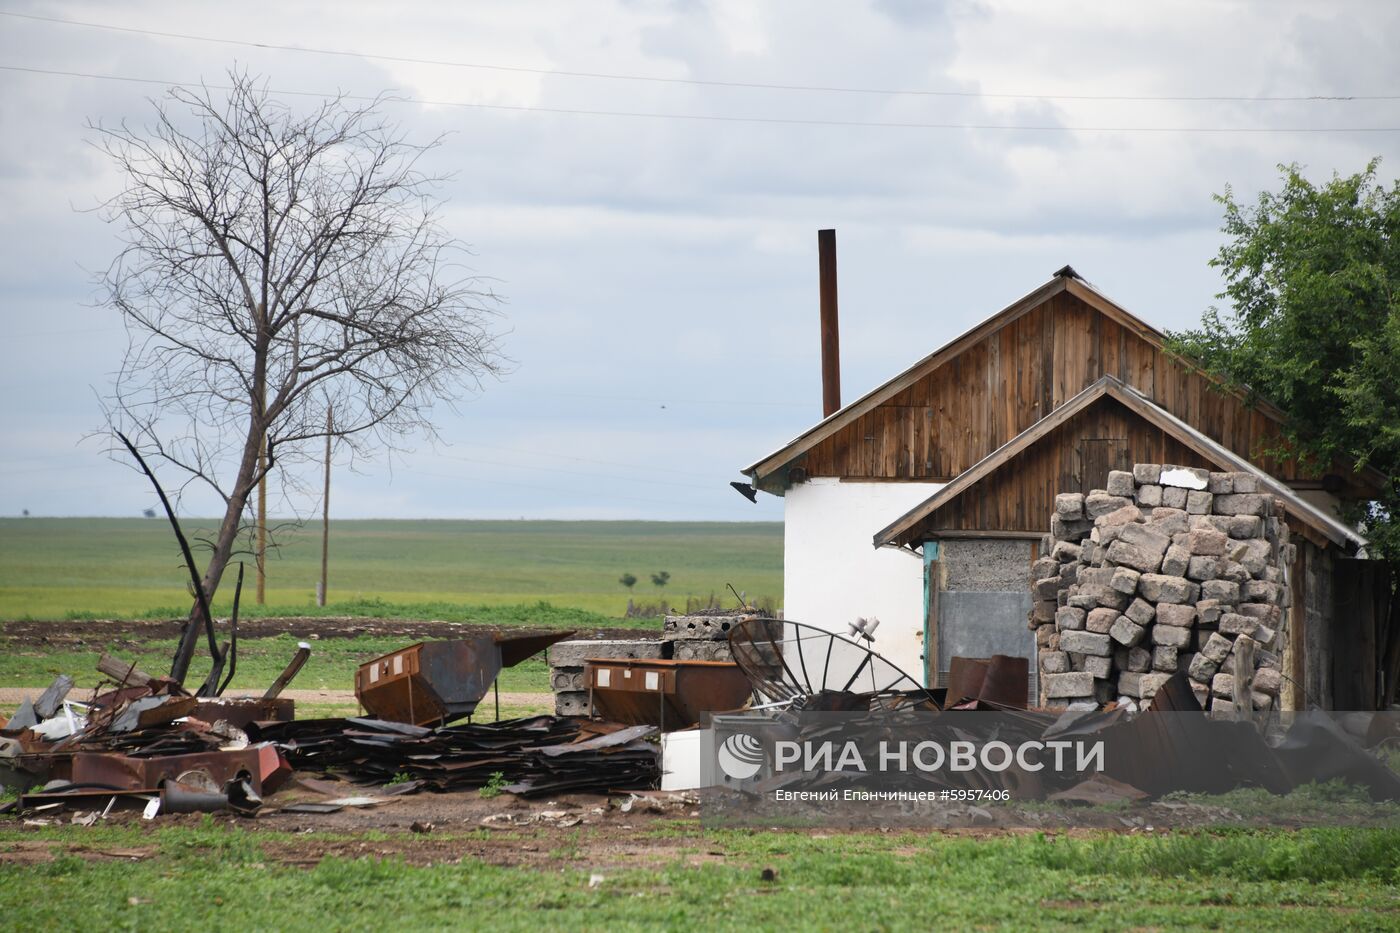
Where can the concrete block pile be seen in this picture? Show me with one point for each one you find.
(702, 636)
(1169, 568)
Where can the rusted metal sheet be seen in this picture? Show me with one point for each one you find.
(263, 764)
(668, 694)
(965, 678)
(439, 681)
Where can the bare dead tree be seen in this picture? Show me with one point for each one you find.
(277, 264)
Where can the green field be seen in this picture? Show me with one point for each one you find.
(215, 877)
(63, 568)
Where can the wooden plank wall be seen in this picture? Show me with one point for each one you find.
(1003, 384)
(1020, 496)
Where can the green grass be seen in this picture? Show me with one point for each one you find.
(331, 666)
(215, 878)
(59, 568)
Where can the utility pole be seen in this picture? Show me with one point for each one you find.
(325, 516)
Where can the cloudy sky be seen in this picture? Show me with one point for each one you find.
(661, 271)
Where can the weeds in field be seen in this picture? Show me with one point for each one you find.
(494, 785)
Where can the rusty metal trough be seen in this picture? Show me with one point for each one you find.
(668, 694)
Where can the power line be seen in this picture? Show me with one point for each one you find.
(697, 82)
(718, 118)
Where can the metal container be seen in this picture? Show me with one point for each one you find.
(439, 681)
(668, 694)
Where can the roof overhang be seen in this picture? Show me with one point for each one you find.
(905, 530)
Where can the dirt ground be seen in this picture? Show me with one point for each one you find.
(600, 832)
(106, 632)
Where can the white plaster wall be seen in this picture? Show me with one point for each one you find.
(833, 574)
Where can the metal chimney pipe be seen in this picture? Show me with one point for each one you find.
(831, 343)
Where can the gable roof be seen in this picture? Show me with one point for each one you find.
(905, 528)
(1065, 280)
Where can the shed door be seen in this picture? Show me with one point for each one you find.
(979, 597)
(1098, 455)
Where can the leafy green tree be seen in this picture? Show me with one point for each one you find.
(661, 578)
(628, 580)
(1312, 274)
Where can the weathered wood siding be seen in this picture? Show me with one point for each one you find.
(1001, 385)
(1020, 495)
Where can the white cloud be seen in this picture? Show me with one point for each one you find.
(652, 262)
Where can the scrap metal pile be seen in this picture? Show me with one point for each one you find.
(540, 755)
(1172, 745)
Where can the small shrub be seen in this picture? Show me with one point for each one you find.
(494, 785)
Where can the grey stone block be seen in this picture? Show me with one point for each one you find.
(1069, 619)
(1141, 612)
(1126, 632)
(1173, 497)
(1100, 620)
(1070, 506)
(1065, 686)
(1139, 660)
(1169, 521)
(1120, 483)
(715, 627)
(1202, 669)
(1170, 635)
(1221, 483)
(1098, 666)
(1232, 623)
(1096, 504)
(1130, 555)
(1144, 473)
(1125, 580)
(1165, 588)
(1176, 561)
(1201, 569)
(1164, 658)
(1241, 504)
(1176, 615)
(1243, 527)
(1209, 611)
(702, 650)
(1149, 496)
(1226, 591)
(1054, 662)
(574, 653)
(1151, 539)
(1217, 648)
(1206, 541)
(1199, 503)
(1244, 482)
(1086, 643)
(571, 704)
(566, 679)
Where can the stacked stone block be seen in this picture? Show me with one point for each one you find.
(1168, 568)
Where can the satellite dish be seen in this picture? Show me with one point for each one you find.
(812, 668)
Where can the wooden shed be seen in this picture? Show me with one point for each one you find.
(952, 466)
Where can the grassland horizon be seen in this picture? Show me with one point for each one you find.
(66, 568)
